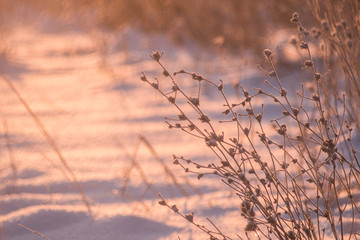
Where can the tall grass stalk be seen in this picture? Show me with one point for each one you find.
(73, 179)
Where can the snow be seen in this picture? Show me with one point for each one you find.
(92, 103)
(109, 127)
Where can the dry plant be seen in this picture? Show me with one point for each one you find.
(226, 25)
(172, 182)
(339, 34)
(297, 180)
(11, 155)
(33, 231)
(68, 173)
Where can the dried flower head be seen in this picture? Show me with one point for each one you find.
(245, 206)
(162, 203)
(204, 118)
(143, 78)
(194, 101)
(250, 226)
(166, 73)
(155, 85)
(272, 74)
(315, 97)
(308, 63)
(267, 53)
(171, 99)
(189, 216)
(196, 76)
(156, 55)
(174, 208)
(295, 18)
(304, 45)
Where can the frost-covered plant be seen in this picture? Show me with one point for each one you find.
(296, 180)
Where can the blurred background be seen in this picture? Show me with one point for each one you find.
(231, 26)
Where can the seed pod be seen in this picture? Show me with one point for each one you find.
(155, 85)
(194, 101)
(304, 45)
(171, 99)
(242, 176)
(259, 117)
(295, 18)
(245, 206)
(166, 73)
(295, 111)
(182, 116)
(162, 203)
(272, 74)
(174, 208)
(249, 111)
(204, 118)
(246, 131)
(156, 55)
(143, 78)
(315, 97)
(196, 76)
(285, 113)
(267, 53)
(189, 216)
(250, 226)
(308, 63)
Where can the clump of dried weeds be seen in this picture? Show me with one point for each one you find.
(297, 180)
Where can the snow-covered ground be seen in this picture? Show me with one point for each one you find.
(85, 90)
(109, 127)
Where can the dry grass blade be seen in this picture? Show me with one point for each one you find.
(50, 141)
(33, 231)
(10, 151)
(135, 165)
(167, 169)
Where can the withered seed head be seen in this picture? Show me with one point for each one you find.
(250, 226)
(272, 74)
(155, 85)
(143, 78)
(308, 63)
(171, 99)
(166, 73)
(304, 45)
(195, 101)
(189, 216)
(156, 55)
(267, 53)
(295, 17)
(174, 208)
(204, 118)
